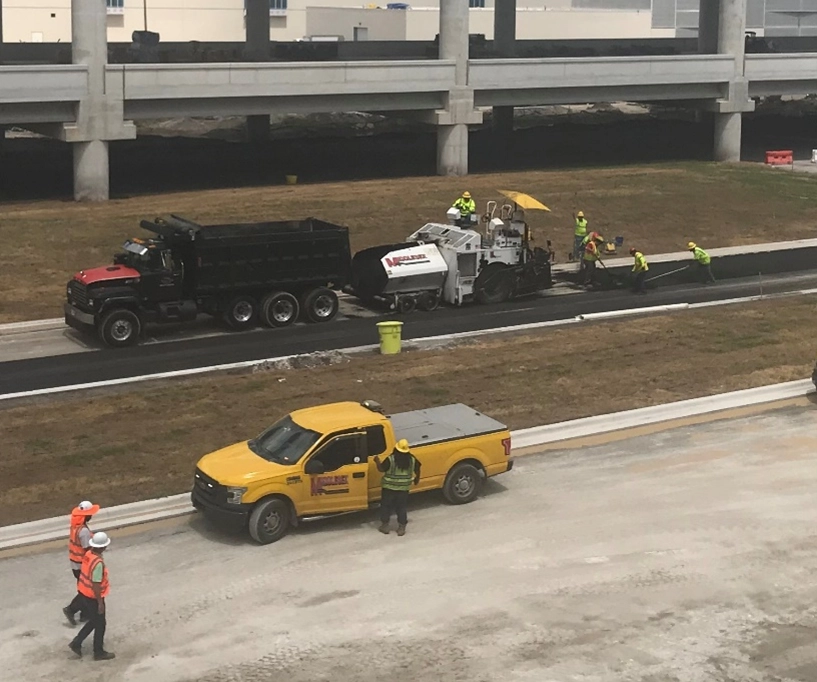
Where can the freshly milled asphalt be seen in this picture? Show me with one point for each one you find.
(101, 365)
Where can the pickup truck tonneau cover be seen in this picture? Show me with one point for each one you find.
(440, 424)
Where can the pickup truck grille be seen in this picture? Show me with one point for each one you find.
(209, 488)
(78, 294)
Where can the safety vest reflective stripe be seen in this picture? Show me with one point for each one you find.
(640, 262)
(85, 584)
(581, 227)
(398, 479)
(701, 256)
(76, 552)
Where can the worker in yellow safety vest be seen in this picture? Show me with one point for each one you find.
(640, 268)
(93, 585)
(400, 469)
(465, 205)
(579, 233)
(704, 262)
(591, 255)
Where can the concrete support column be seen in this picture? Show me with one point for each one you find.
(459, 113)
(91, 171)
(728, 111)
(257, 49)
(504, 46)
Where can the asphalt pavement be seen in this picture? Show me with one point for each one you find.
(687, 554)
(212, 347)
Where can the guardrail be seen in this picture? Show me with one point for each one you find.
(46, 530)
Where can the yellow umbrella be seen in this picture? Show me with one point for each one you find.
(525, 201)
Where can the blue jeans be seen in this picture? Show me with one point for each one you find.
(577, 246)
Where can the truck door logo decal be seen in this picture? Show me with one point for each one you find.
(319, 485)
(411, 259)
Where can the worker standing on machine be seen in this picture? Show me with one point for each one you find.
(640, 268)
(703, 260)
(592, 254)
(466, 206)
(579, 233)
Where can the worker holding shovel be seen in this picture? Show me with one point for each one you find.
(592, 255)
(640, 269)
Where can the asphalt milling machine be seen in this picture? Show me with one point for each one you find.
(457, 262)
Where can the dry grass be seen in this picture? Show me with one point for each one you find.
(657, 207)
(143, 442)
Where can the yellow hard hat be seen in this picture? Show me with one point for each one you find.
(466, 195)
(691, 245)
(402, 445)
(580, 214)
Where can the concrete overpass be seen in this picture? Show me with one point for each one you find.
(90, 102)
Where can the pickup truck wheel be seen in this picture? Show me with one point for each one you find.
(120, 328)
(463, 484)
(320, 304)
(269, 521)
(279, 309)
(240, 312)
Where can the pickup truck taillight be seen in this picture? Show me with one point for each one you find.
(506, 443)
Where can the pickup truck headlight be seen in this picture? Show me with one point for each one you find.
(234, 495)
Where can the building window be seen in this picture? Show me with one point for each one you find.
(476, 3)
(115, 6)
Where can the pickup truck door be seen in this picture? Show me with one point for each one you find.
(335, 476)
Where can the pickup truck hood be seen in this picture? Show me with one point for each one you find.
(236, 464)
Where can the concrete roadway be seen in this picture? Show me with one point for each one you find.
(686, 554)
(44, 359)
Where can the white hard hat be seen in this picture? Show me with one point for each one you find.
(84, 505)
(100, 540)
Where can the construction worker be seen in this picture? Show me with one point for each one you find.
(640, 268)
(399, 470)
(94, 587)
(466, 206)
(591, 255)
(79, 537)
(579, 233)
(703, 260)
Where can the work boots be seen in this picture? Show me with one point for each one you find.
(401, 530)
(384, 528)
(104, 656)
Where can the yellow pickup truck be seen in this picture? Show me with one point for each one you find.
(319, 461)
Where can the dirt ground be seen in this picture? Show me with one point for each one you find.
(659, 208)
(147, 438)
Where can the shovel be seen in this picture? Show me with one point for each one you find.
(671, 272)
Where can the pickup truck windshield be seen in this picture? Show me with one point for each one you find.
(284, 442)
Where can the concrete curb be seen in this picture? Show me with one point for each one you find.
(45, 530)
(31, 326)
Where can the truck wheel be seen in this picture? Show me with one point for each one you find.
(279, 309)
(240, 312)
(494, 284)
(462, 485)
(406, 304)
(120, 328)
(320, 304)
(269, 521)
(428, 301)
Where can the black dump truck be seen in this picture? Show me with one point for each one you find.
(272, 273)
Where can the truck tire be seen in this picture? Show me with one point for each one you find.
(494, 284)
(463, 484)
(279, 309)
(241, 312)
(120, 328)
(406, 304)
(428, 301)
(319, 304)
(270, 520)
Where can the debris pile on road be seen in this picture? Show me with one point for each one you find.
(305, 361)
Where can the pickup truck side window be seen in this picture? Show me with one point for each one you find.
(340, 451)
(375, 441)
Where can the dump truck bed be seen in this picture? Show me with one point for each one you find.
(441, 424)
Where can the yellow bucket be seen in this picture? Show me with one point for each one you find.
(390, 337)
(291, 179)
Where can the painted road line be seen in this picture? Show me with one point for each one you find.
(46, 530)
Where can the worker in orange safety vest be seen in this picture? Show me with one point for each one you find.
(94, 587)
(591, 255)
(79, 537)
